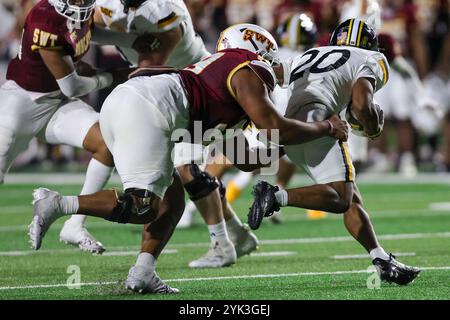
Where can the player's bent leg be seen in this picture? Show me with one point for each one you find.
(358, 224)
(135, 206)
(76, 124)
(203, 190)
(142, 277)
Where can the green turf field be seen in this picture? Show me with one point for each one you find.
(299, 259)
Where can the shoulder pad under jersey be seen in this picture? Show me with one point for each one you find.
(265, 72)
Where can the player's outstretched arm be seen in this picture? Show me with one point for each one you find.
(69, 81)
(252, 95)
(364, 109)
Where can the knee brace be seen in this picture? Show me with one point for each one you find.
(202, 185)
(133, 203)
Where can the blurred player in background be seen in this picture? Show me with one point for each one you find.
(40, 97)
(325, 81)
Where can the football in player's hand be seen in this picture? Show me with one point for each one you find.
(358, 128)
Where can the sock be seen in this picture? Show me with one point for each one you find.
(146, 259)
(218, 232)
(69, 204)
(379, 252)
(282, 197)
(97, 174)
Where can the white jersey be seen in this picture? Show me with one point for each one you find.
(280, 96)
(326, 75)
(153, 17)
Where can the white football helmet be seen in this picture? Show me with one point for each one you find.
(74, 10)
(251, 37)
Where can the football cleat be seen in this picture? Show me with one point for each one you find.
(45, 211)
(244, 240)
(217, 256)
(264, 204)
(78, 236)
(393, 271)
(144, 280)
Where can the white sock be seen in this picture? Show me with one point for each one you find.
(379, 252)
(97, 175)
(69, 205)
(218, 232)
(146, 259)
(190, 208)
(282, 197)
(242, 179)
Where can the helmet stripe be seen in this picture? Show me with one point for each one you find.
(354, 35)
(349, 32)
(361, 24)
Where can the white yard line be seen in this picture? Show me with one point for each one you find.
(255, 276)
(400, 236)
(273, 254)
(369, 178)
(366, 256)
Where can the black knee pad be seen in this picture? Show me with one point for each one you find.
(133, 203)
(202, 185)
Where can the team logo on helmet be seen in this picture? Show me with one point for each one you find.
(249, 35)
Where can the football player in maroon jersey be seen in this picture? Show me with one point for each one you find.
(222, 91)
(40, 97)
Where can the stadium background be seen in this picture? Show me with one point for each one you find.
(410, 204)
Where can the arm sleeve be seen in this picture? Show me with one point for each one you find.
(74, 85)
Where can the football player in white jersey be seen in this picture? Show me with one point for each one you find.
(324, 81)
(296, 34)
(160, 32)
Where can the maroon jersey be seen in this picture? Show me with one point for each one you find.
(46, 28)
(208, 86)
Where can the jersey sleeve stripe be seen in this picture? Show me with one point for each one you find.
(384, 69)
(231, 74)
(171, 18)
(349, 175)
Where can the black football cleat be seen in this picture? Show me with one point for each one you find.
(393, 271)
(264, 204)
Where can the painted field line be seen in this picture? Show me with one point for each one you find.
(273, 254)
(366, 256)
(363, 178)
(134, 253)
(439, 206)
(400, 236)
(255, 276)
(18, 253)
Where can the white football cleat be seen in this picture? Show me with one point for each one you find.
(244, 240)
(143, 280)
(78, 236)
(45, 211)
(217, 256)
